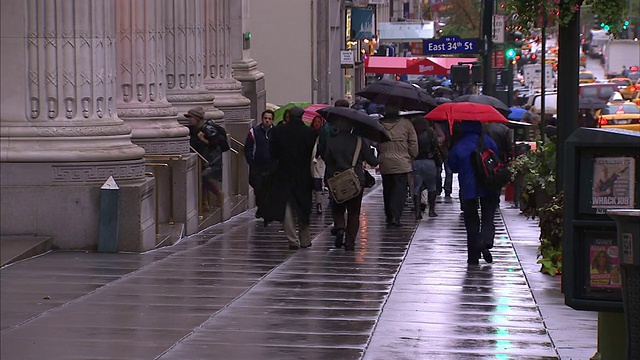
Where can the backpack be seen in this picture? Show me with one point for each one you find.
(491, 172)
(218, 134)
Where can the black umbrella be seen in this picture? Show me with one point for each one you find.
(442, 100)
(485, 99)
(363, 124)
(589, 103)
(399, 94)
(442, 91)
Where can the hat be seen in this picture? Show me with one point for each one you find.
(196, 112)
(296, 112)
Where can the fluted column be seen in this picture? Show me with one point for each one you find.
(58, 84)
(219, 76)
(141, 96)
(185, 70)
(60, 134)
(245, 69)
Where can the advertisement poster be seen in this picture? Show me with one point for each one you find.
(604, 268)
(613, 182)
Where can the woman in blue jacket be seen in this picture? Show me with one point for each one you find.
(480, 228)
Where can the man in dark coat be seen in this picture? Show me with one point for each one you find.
(480, 228)
(258, 156)
(290, 194)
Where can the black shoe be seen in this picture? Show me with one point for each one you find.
(265, 223)
(486, 255)
(339, 241)
(306, 246)
(294, 247)
(349, 247)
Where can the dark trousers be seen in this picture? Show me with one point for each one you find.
(394, 193)
(448, 179)
(480, 228)
(352, 207)
(259, 181)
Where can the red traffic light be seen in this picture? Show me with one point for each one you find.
(533, 56)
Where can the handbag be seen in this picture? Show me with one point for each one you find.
(345, 185)
(369, 180)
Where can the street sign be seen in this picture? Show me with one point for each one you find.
(450, 45)
(347, 58)
(498, 29)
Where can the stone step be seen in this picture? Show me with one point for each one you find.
(18, 247)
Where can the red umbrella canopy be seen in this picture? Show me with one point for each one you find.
(466, 111)
(311, 111)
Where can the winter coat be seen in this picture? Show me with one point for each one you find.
(396, 156)
(460, 160)
(291, 147)
(256, 146)
(339, 154)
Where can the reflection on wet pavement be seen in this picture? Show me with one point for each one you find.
(235, 291)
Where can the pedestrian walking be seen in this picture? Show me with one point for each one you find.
(289, 197)
(317, 165)
(339, 156)
(480, 228)
(258, 157)
(425, 166)
(396, 163)
(205, 138)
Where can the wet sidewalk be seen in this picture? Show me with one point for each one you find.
(235, 291)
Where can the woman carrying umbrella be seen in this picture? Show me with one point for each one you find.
(425, 166)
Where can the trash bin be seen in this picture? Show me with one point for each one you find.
(628, 230)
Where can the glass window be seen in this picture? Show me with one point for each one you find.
(626, 109)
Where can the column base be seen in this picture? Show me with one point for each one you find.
(66, 204)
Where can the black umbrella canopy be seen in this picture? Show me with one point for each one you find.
(399, 94)
(363, 124)
(589, 103)
(485, 99)
(442, 100)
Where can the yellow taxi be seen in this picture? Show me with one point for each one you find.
(635, 97)
(625, 86)
(586, 77)
(620, 115)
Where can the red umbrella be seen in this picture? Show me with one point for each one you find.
(311, 111)
(466, 111)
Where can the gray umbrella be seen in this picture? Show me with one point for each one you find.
(485, 99)
(363, 124)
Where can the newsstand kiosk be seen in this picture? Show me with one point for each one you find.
(601, 175)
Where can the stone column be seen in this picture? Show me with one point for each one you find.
(245, 69)
(184, 42)
(228, 98)
(61, 137)
(142, 104)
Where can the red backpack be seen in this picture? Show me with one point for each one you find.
(491, 172)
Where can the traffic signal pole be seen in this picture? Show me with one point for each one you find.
(487, 36)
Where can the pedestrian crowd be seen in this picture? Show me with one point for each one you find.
(291, 165)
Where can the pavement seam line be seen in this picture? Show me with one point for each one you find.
(533, 295)
(327, 229)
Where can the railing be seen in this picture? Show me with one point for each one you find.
(238, 164)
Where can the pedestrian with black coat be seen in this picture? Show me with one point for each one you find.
(338, 157)
(480, 228)
(258, 157)
(290, 192)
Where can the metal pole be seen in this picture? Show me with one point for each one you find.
(487, 35)
(568, 62)
(510, 83)
(543, 74)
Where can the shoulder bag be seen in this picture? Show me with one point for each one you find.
(345, 185)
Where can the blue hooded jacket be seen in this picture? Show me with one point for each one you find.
(460, 160)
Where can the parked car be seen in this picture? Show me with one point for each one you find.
(619, 115)
(602, 91)
(625, 86)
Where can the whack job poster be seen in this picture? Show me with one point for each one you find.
(613, 183)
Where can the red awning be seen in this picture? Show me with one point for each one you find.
(412, 65)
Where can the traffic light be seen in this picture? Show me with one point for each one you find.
(626, 24)
(510, 53)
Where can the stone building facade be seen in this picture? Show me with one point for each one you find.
(98, 88)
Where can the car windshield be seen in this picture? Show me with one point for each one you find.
(620, 109)
(586, 76)
(621, 82)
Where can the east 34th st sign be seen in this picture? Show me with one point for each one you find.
(450, 45)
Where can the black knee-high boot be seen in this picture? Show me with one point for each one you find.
(417, 209)
(432, 204)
